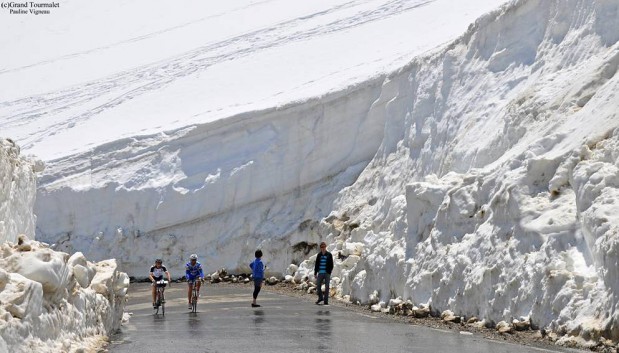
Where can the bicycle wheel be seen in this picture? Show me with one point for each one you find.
(159, 301)
(194, 301)
(162, 305)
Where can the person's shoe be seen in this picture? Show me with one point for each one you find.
(318, 301)
(326, 303)
(255, 305)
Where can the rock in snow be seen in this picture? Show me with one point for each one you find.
(449, 316)
(504, 327)
(272, 281)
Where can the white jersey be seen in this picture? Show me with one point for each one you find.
(158, 272)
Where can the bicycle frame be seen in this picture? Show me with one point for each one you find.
(160, 296)
(194, 297)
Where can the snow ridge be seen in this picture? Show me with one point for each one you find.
(493, 193)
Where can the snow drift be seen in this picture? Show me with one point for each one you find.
(494, 191)
(53, 302)
(49, 301)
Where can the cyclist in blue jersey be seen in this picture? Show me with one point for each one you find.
(193, 271)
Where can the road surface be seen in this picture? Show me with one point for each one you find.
(225, 322)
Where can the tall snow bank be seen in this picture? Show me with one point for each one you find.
(49, 301)
(219, 190)
(17, 192)
(494, 191)
(53, 302)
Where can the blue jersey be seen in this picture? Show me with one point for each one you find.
(193, 271)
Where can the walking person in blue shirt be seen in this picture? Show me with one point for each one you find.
(322, 272)
(257, 270)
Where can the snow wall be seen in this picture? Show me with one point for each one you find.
(49, 301)
(17, 192)
(495, 190)
(491, 189)
(221, 190)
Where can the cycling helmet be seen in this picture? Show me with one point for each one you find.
(193, 257)
(158, 261)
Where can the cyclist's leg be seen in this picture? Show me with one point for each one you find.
(189, 289)
(154, 290)
(198, 285)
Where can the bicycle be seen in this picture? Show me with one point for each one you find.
(194, 296)
(160, 298)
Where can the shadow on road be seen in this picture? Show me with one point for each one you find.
(323, 328)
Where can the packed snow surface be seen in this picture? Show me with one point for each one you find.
(479, 179)
(94, 72)
(49, 301)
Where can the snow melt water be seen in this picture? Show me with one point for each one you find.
(491, 190)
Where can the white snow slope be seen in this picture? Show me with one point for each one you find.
(91, 73)
(491, 192)
(495, 190)
(49, 301)
(147, 154)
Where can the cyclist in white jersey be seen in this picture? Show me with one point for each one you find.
(156, 274)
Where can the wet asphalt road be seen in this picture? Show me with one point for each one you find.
(225, 322)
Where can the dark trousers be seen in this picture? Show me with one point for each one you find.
(326, 278)
(257, 283)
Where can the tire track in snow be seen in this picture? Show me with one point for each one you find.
(119, 88)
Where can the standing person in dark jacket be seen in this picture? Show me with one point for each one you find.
(257, 269)
(322, 272)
